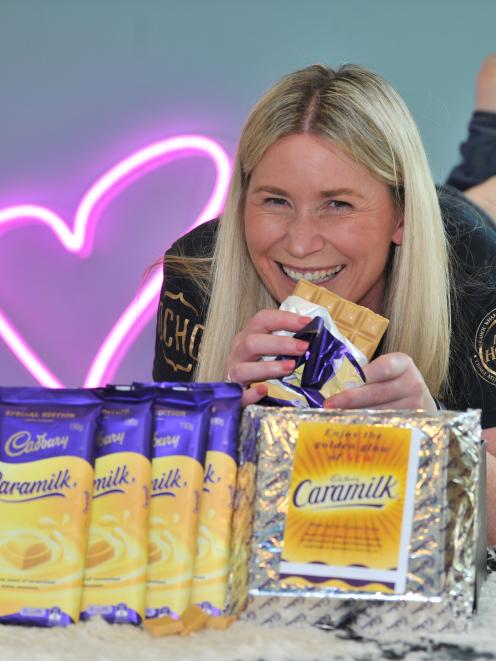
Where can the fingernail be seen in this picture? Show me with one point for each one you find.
(304, 320)
(301, 345)
(328, 403)
(261, 388)
(288, 365)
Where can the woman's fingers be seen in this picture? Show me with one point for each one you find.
(369, 397)
(268, 321)
(250, 372)
(388, 367)
(254, 394)
(256, 340)
(393, 381)
(257, 345)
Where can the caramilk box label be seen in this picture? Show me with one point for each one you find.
(350, 507)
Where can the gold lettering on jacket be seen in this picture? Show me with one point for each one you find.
(180, 333)
(176, 331)
(484, 356)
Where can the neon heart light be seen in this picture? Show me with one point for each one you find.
(79, 241)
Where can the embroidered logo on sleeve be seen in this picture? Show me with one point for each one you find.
(484, 356)
(179, 332)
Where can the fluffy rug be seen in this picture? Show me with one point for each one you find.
(245, 642)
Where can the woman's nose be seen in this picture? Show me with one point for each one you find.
(303, 237)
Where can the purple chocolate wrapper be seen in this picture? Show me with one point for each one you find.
(224, 419)
(324, 354)
(39, 423)
(181, 421)
(225, 411)
(119, 614)
(39, 617)
(126, 421)
(182, 418)
(219, 484)
(125, 426)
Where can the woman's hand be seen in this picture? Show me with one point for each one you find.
(243, 363)
(392, 382)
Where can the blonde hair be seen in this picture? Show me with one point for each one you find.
(361, 113)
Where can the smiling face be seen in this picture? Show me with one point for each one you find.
(312, 212)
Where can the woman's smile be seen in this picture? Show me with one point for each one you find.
(317, 275)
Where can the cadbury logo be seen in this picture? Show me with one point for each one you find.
(374, 492)
(169, 440)
(22, 443)
(111, 439)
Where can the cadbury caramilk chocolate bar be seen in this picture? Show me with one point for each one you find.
(342, 337)
(181, 423)
(214, 530)
(329, 365)
(116, 560)
(360, 325)
(343, 469)
(46, 480)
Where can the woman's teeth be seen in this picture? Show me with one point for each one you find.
(312, 276)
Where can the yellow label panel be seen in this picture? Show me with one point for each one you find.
(350, 507)
(118, 539)
(214, 531)
(44, 516)
(175, 506)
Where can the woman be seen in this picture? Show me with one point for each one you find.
(331, 183)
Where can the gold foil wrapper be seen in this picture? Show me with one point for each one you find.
(444, 547)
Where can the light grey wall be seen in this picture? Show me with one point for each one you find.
(86, 82)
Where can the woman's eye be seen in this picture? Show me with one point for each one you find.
(275, 201)
(339, 205)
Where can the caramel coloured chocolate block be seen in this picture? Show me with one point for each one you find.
(220, 621)
(163, 626)
(26, 551)
(193, 619)
(357, 323)
(98, 552)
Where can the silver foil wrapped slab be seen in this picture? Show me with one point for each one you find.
(443, 550)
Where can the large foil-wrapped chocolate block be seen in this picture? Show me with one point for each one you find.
(393, 560)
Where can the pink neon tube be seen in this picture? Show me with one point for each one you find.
(79, 241)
